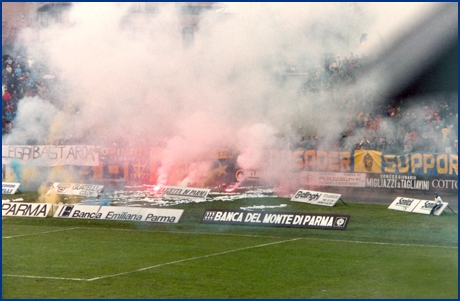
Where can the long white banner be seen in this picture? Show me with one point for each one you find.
(26, 209)
(180, 192)
(155, 215)
(277, 219)
(76, 189)
(52, 155)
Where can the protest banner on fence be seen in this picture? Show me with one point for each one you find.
(52, 155)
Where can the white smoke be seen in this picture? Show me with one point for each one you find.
(129, 76)
(34, 121)
(253, 142)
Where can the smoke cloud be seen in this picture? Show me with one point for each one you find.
(129, 78)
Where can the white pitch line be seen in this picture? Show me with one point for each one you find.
(36, 233)
(184, 232)
(44, 277)
(150, 267)
(380, 243)
(263, 236)
(248, 235)
(219, 253)
(190, 259)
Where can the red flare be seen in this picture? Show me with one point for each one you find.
(230, 189)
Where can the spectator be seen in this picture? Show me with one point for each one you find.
(407, 143)
(393, 147)
(391, 112)
(424, 143)
(374, 144)
(9, 61)
(363, 145)
(18, 71)
(413, 139)
(314, 142)
(425, 126)
(445, 134)
(446, 145)
(8, 125)
(449, 120)
(7, 119)
(301, 143)
(7, 98)
(8, 70)
(383, 145)
(437, 121)
(438, 203)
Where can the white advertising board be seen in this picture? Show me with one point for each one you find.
(416, 206)
(78, 211)
(181, 192)
(154, 215)
(404, 204)
(425, 206)
(333, 179)
(76, 189)
(316, 197)
(121, 213)
(10, 188)
(26, 209)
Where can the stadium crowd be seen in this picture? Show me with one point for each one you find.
(426, 125)
(23, 76)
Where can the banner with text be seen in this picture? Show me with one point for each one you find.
(404, 204)
(333, 179)
(76, 189)
(416, 205)
(52, 155)
(276, 219)
(25, 209)
(405, 181)
(370, 161)
(10, 188)
(180, 192)
(316, 197)
(421, 164)
(154, 215)
(425, 206)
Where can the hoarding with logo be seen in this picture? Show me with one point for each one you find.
(26, 209)
(425, 206)
(404, 204)
(316, 197)
(154, 215)
(416, 205)
(276, 219)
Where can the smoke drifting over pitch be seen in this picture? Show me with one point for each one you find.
(133, 82)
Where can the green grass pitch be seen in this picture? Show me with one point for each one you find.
(382, 254)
